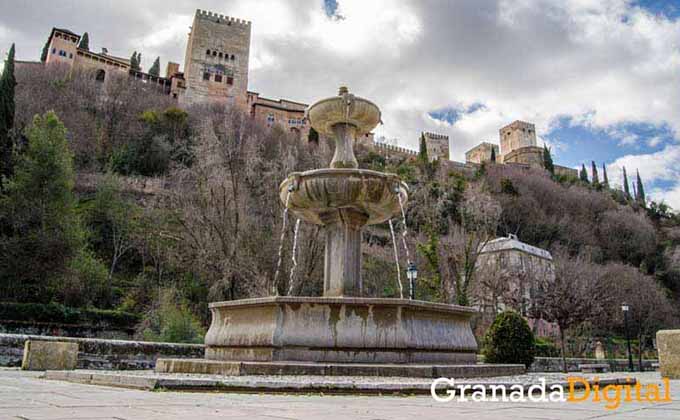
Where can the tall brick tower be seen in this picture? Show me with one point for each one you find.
(216, 61)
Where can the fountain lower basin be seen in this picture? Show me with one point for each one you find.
(358, 330)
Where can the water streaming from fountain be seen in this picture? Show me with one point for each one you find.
(275, 289)
(291, 280)
(396, 259)
(404, 234)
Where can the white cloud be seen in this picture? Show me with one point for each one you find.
(603, 63)
(169, 32)
(653, 167)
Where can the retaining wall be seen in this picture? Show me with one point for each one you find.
(94, 353)
(554, 364)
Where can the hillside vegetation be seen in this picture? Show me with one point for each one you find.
(211, 229)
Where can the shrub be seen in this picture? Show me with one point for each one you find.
(85, 281)
(509, 340)
(546, 348)
(172, 321)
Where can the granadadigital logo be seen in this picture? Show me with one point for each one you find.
(578, 390)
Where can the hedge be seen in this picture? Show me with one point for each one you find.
(59, 314)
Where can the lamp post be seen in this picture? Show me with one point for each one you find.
(412, 274)
(625, 308)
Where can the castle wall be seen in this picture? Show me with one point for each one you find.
(564, 171)
(216, 63)
(529, 155)
(388, 150)
(88, 61)
(481, 153)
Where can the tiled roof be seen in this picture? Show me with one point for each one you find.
(511, 243)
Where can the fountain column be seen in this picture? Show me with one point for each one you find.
(342, 271)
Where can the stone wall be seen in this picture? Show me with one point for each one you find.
(554, 364)
(565, 171)
(102, 354)
(482, 153)
(64, 330)
(389, 150)
(530, 155)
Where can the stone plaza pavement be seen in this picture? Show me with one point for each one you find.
(24, 395)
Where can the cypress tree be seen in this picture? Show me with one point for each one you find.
(605, 180)
(138, 65)
(547, 160)
(155, 69)
(626, 187)
(45, 51)
(583, 175)
(313, 135)
(640, 190)
(422, 153)
(134, 61)
(85, 42)
(596, 179)
(493, 154)
(7, 109)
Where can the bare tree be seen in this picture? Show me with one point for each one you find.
(650, 307)
(229, 209)
(460, 248)
(568, 298)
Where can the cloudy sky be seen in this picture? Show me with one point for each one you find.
(599, 78)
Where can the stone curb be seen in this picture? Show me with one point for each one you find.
(324, 387)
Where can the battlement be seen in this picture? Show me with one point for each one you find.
(395, 149)
(219, 18)
(436, 136)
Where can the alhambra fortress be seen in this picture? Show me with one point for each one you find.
(216, 69)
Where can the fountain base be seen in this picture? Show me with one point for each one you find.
(340, 329)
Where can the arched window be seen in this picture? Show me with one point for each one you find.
(100, 76)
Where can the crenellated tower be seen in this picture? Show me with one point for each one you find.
(216, 60)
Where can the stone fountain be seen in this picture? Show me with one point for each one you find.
(342, 326)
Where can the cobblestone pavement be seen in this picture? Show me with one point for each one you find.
(24, 395)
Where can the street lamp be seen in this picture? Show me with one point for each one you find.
(625, 308)
(412, 274)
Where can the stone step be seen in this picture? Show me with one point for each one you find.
(237, 368)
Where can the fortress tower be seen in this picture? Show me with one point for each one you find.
(216, 60)
(437, 146)
(517, 135)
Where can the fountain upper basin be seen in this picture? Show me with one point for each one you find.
(343, 109)
(321, 191)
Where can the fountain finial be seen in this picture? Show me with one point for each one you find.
(343, 90)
